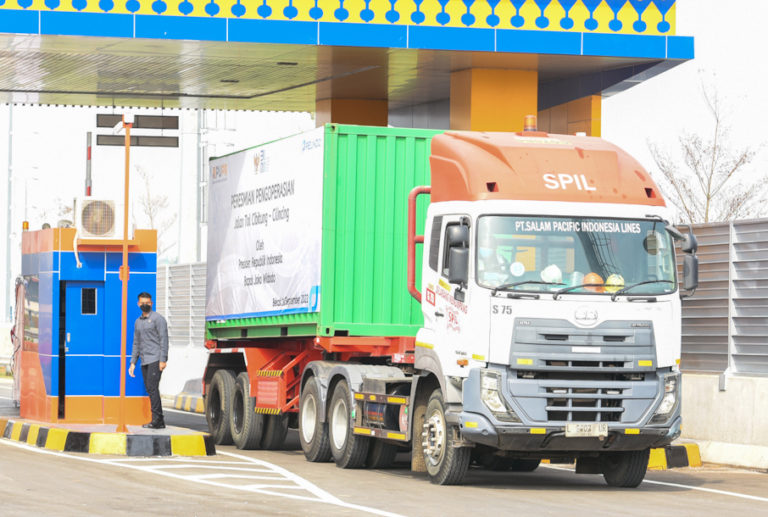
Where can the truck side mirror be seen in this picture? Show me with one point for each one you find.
(458, 266)
(689, 244)
(690, 272)
(457, 235)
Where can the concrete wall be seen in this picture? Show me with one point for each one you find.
(731, 426)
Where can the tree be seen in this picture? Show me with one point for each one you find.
(712, 186)
(155, 209)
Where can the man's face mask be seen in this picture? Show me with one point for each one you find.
(145, 307)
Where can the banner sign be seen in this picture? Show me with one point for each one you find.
(265, 229)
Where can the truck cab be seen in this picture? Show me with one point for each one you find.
(551, 305)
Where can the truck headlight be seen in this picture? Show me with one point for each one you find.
(490, 394)
(669, 402)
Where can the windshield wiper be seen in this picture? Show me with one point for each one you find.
(624, 290)
(557, 293)
(506, 287)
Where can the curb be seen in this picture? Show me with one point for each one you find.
(191, 403)
(675, 456)
(120, 444)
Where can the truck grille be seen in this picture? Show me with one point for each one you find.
(584, 404)
(559, 384)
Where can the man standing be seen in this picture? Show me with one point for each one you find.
(150, 343)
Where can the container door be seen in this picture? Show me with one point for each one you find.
(83, 350)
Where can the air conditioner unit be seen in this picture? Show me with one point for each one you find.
(98, 219)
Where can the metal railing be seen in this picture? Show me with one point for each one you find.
(725, 325)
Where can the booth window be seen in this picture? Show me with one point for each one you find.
(88, 298)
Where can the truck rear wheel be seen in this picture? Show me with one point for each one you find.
(275, 431)
(313, 434)
(218, 404)
(625, 469)
(446, 465)
(381, 455)
(349, 450)
(246, 426)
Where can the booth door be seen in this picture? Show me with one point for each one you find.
(82, 352)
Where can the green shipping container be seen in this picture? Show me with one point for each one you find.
(368, 173)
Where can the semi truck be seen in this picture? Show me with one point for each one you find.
(469, 298)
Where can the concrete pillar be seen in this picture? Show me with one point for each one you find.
(366, 112)
(580, 115)
(488, 99)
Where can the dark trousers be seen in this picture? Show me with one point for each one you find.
(151, 373)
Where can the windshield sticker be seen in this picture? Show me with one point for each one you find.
(537, 225)
(517, 269)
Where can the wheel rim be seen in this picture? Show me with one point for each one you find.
(339, 424)
(239, 411)
(308, 418)
(434, 438)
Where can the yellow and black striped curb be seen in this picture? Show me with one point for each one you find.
(675, 456)
(121, 444)
(186, 402)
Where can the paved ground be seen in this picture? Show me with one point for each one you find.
(283, 483)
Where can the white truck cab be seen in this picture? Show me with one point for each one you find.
(552, 313)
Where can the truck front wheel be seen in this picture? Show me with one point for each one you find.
(348, 449)
(246, 426)
(446, 465)
(218, 404)
(313, 433)
(624, 469)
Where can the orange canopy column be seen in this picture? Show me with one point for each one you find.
(365, 112)
(487, 99)
(577, 116)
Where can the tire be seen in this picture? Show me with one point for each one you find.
(625, 469)
(275, 431)
(246, 427)
(446, 465)
(218, 405)
(381, 455)
(349, 450)
(313, 434)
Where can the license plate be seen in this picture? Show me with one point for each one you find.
(591, 429)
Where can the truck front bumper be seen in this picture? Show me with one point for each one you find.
(478, 429)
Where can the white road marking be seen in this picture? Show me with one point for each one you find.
(677, 485)
(711, 490)
(294, 482)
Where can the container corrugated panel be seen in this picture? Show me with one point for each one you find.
(368, 175)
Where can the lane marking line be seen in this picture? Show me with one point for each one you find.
(711, 490)
(677, 485)
(319, 494)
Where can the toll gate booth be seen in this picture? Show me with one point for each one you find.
(70, 358)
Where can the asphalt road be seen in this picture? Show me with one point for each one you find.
(283, 483)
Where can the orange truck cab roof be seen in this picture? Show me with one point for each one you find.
(536, 166)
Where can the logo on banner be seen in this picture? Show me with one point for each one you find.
(260, 162)
(219, 173)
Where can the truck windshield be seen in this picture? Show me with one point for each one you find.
(547, 254)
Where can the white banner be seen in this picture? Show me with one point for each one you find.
(265, 229)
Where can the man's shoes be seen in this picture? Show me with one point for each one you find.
(154, 425)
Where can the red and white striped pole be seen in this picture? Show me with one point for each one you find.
(88, 168)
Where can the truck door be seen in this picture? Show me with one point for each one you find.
(451, 322)
(82, 353)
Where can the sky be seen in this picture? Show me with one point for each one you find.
(49, 143)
